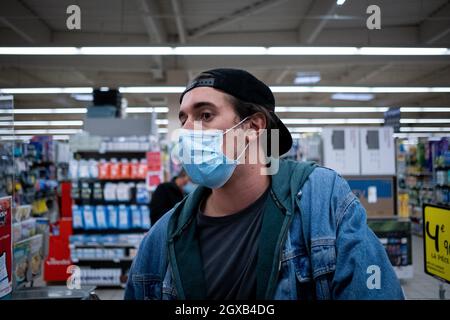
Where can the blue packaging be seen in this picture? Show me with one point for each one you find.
(124, 217)
(142, 194)
(77, 216)
(145, 216)
(136, 222)
(100, 217)
(112, 217)
(88, 218)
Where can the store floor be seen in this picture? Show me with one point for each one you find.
(421, 286)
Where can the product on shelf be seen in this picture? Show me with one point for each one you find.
(97, 192)
(110, 191)
(125, 169)
(103, 169)
(100, 217)
(134, 169)
(115, 169)
(145, 214)
(124, 221)
(77, 217)
(83, 169)
(136, 220)
(142, 194)
(88, 218)
(112, 217)
(86, 191)
(105, 276)
(142, 169)
(124, 191)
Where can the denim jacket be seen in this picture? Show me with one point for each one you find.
(329, 251)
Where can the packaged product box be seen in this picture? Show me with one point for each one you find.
(21, 268)
(112, 217)
(103, 169)
(115, 169)
(125, 169)
(134, 169)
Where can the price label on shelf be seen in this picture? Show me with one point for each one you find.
(436, 231)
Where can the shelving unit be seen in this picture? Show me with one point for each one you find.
(419, 163)
(104, 251)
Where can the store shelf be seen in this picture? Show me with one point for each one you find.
(139, 154)
(108, 231)
(92, 180)
(106, 203)
(104, 245)
(101, 260)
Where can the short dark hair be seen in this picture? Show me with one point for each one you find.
(245, 109)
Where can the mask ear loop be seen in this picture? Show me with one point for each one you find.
(248, 144)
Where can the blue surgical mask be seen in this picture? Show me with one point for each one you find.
(188, 187)
(203, 159)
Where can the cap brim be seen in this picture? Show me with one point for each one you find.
(284, 135)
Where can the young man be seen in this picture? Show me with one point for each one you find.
(299, 233)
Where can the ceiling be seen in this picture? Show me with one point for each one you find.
(405, 23)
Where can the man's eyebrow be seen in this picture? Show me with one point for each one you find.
(198, 105)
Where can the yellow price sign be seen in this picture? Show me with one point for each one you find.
(436, 235)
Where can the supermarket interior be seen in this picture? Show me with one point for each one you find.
(90, 101)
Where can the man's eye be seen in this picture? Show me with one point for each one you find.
(205, 116)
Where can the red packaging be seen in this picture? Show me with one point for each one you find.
(125, 169)
(134, 169)
(103, 169)
(114, 169)
(142, 172)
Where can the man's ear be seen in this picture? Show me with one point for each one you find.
(256, 124)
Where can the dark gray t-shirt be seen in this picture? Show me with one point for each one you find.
(229, 248)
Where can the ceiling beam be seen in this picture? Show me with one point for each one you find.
(153, 26)
(155, 31)
(314, 21)
(179, 21)
(436, 26)
(24, 22)
(254, 8)
(374, 73)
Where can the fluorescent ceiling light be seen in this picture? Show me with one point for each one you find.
(332, 121)
(423, 109)
(43, 123)
(424, 121)
(223, 50)
(411, 135)
(45, 90)
(340, 2)
(47, 131)
(304, 129)
(425, 129)
(307, 78)
(162, 121)
(49, 111)
(164, 89)
(353, 96)
(275, 89)
(377, 51)
(82, 97)
(302, 51)
(147, 110)
(39, 51)
(331, 109)
(126, 51)
(163, 130)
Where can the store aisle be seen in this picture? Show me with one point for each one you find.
(422, 286)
